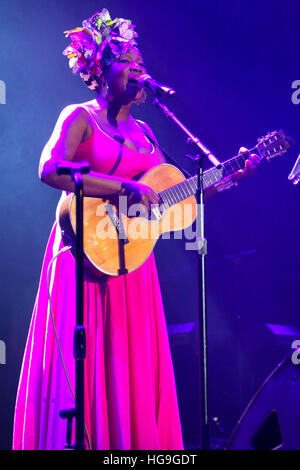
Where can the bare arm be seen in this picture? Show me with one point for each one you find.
(68, 133)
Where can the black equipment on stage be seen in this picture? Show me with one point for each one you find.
(271, 419)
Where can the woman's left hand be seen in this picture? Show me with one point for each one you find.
(251, 165)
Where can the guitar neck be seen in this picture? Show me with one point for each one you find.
(213, 175)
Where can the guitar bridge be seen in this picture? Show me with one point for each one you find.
(156, 213)
(117, 223)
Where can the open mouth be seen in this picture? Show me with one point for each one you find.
(133, 81)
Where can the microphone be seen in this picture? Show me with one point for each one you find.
(146, 81)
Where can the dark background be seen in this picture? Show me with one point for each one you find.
(232, 65)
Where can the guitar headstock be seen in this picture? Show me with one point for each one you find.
(273, 144)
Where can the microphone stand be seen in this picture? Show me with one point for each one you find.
(76, 170)
(202, 153)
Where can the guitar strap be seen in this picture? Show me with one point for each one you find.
(156, 144)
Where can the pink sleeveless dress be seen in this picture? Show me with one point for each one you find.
(130, 392)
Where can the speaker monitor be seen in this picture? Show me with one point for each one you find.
(271, 419)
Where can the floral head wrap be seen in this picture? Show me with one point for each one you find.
(97, 44)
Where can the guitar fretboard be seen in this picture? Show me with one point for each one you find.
(213, 175)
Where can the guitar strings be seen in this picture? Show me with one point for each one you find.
(188, 187)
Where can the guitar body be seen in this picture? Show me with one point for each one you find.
(104, 224)
(100, 236)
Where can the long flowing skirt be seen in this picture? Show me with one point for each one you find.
(129, 393)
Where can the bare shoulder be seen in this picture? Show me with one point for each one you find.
(73, 118)
(69, 131)
(73, 113)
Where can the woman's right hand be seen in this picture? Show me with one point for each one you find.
(139, 193)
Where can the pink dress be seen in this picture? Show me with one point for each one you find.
(130, 392)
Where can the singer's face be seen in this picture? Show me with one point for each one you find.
(120, 72)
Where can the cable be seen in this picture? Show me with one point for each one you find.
(66, 248)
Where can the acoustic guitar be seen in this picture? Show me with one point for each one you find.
(117, 236)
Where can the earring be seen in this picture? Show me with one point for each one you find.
(104, 89)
